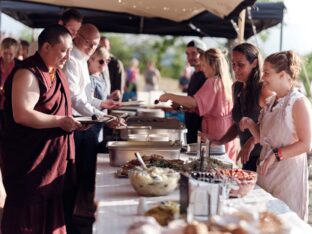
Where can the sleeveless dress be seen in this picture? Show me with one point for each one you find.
(287, 179)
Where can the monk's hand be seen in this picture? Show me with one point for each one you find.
(266, 164)
(1, 91)
(85, 127)
(245, 151)
(69, 124)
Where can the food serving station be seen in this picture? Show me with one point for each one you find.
(120, 206)
(151, 181)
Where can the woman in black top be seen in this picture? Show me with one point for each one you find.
(248, 95)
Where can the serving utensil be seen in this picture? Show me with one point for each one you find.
(139, 158)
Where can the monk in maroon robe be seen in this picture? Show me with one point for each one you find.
(38, 139)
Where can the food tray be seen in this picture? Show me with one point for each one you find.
(121, 152)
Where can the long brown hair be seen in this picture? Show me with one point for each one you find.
(253, 84)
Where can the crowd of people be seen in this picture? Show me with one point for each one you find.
(263, 108)
(49, 178)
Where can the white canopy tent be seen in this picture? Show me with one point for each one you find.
(176, 10)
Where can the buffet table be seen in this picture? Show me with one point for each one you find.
(117, 203)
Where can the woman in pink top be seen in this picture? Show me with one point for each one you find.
(213, 100)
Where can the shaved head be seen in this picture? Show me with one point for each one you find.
(87, 39)
(89, 30)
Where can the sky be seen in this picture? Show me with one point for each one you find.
(297, 33)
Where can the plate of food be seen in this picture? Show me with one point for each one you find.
(131, 103)
(94, 119)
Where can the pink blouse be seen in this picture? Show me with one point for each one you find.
(216, 112)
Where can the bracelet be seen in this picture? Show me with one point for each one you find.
(278, 154)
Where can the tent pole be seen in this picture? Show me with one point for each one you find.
(281, 34)
(241, 26)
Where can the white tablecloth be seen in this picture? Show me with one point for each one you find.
(117, 203)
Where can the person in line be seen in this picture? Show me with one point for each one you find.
(72, 20)
(23, 50)
(8, 52)
(285, 133)
(116, 71)
(97, 64)
(249, 96)
(213, 100)
(84, 104)
(194, 49)
(38, 138)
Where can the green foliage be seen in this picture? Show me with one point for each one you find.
(26, 34)
(306, 74)
(166, 52)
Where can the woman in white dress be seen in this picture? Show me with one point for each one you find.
(284, 131)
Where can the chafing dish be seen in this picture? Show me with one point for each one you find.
(121, 152)
(156, 128)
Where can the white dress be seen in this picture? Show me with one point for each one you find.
(287, 179)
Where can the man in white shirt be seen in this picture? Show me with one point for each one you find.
(85, 104)
(76, 69)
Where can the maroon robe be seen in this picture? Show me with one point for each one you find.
(35, 160)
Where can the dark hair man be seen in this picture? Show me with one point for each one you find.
(72, 20)
(194, 49)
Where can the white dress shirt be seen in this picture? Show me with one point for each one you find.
(81, 91)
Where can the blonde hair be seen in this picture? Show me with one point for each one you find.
(287, 61)
(216, 59)
(8, 42)
(101, 52)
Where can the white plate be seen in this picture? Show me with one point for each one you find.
(89, 120)
(131, 103)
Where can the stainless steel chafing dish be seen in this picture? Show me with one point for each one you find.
(121, 152)
(156, 128)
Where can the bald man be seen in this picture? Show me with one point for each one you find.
(84, 104)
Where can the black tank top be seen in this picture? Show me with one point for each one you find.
(240, 110)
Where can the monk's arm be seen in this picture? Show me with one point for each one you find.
(25, 95)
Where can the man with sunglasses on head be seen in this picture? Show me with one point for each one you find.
(84, 104)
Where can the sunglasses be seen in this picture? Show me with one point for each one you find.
(103, 61)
